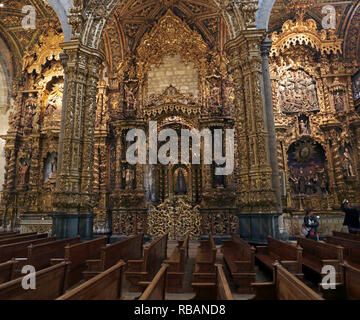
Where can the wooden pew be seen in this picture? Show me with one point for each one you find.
(285, 286)
(40, 255)
(127, 249)
(22, 238)
(7, 271)
(105, 286)
(217, 290)
(239, 257)
(157, 287)
(5, 233)
(288, 255)
(351, 282)
(316, 255)
(176, 262)
(11, 234)
(77, 254)
(145, 269)
(19, 249)
(349, 236)
(206, 256)
(351, 249)
(49, 285)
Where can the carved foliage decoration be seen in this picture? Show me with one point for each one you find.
(305, 33)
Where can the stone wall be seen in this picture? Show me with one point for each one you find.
(173, 71)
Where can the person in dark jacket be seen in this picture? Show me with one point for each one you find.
(351, 216)
(311, 223)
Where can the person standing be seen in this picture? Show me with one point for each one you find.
(351, 216)
(311, 223)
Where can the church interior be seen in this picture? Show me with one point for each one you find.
(78, 77)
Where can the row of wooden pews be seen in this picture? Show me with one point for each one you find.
(176, 266)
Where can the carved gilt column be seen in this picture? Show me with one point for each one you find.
(74, 197)
(255, 173)
(256, 197)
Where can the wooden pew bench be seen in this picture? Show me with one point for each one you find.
(77, 254)
(8, 234)
(7, 271)
(156, 289)
(288, 255)
(351, 250)
(105, 286)
(49, 285)
(351, 282)
(127, 249)
(19, 249)
(22, 238)
(349, 236)
(206, 256)
(239, 257)
(145, 269)
(316, 255)
(285, 286)
(40, 255)
(217, 290)
(176, 262)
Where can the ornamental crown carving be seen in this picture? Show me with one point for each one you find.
(47, 48)
(169, 37)
(305, 33)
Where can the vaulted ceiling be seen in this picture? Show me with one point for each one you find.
(133, 19)
(348, 22)
(18, 39)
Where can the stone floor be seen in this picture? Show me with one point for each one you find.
(188, 291)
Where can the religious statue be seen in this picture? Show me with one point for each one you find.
(348, 164)
(294, 183)
(304, 127)
(50, 168)
(215, 96)
(24, 172)
(181, 188)
(30, 106)
(36, 121)
(130, 97)
(339, 102)
(54, 101)
(129, 177)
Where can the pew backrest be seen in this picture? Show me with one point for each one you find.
(289, 287)
(6, 271)
(78, 253)
(284, 250)
(49, 285)
(154, 255)
(156, 289)
(351, 248)
(105, 286)
(40, 255)
(320, 251)
(349, 236)
(351, 281)
(127, 249)
(19, 249)
(223, 289)
(22, 238)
